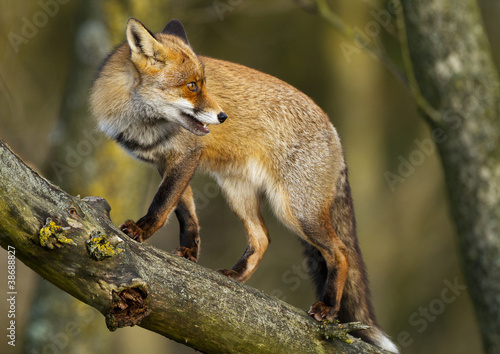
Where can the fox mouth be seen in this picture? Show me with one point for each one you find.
(195, 126)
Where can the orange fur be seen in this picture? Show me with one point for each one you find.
(165, 105)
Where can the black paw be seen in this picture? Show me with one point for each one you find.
(130, 228)
(186, 252)
(229, 273)
(321, 311)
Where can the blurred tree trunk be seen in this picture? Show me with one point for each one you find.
(83, 162)
(454, 72)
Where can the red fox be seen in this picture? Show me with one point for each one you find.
(165, 105)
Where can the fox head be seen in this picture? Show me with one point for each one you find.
(154, 77)
(172, 79)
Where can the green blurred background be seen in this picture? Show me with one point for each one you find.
(47, 66)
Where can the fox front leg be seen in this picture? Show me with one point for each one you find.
(176, 178)
(189, 229)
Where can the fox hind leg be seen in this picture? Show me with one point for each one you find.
(245, 202)
(328, 263)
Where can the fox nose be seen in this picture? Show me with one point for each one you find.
(222, 117)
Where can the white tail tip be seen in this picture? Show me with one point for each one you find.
(384, 342)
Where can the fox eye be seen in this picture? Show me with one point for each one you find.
(192, 86)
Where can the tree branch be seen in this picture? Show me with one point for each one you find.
(73, 244)
(406, 77)
(428, 110)
(353, 36)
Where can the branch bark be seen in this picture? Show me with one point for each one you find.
(72, 243)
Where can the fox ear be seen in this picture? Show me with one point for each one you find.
(141, 40)
(175, 28)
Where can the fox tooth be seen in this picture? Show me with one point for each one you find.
(205, 125)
